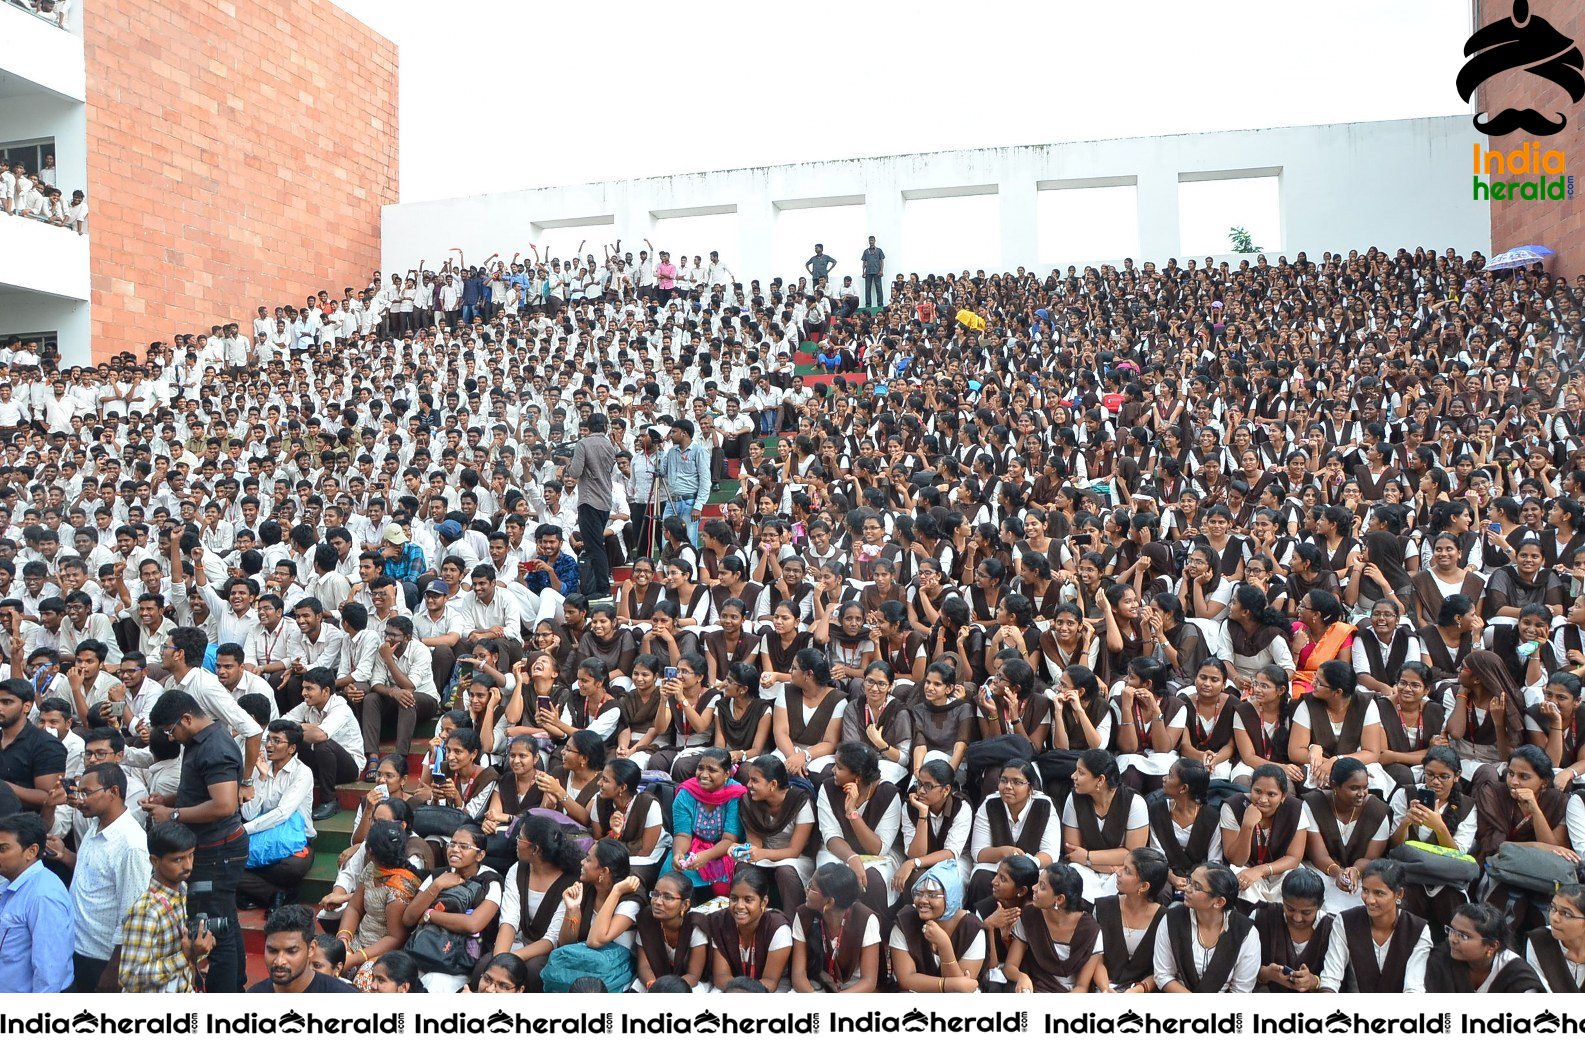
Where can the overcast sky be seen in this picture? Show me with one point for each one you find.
(504, 94)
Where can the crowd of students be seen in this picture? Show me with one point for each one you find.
(1146, 628)
(35, 196)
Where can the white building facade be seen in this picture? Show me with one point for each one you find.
(1338, 186)
(44, 269)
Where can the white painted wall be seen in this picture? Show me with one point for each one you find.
(38, 52)
(28, 312)
(1387, 183)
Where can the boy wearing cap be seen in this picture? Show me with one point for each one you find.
(404, 561)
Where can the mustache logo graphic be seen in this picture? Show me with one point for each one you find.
(1522, 42)
(1519, 120)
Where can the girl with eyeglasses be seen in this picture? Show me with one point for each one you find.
(883, 722)
(464, 863)
(1018, 819)
(671, 938)
(1474, 958)
(1205, 944)
(937, 945)
(1557, 950)
(505, 974)
(936, 826)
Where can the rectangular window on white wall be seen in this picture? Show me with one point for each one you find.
(839, 226)
(1085, 222)
(1211, 204)
(560, 238)
(955, 232)
(690, 235)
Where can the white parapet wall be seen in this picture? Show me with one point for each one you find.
(46, 57)
(1396, 183)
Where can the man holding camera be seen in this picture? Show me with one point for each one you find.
(208, 800)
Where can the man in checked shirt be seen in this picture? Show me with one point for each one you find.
(158, 953)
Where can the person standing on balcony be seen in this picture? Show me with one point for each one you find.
(873, 262)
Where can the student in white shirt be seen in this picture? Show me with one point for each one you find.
(332, 740)
(402, 679)
(283, 789)
(1207, 914)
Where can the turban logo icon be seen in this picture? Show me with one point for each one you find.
(1526, 42)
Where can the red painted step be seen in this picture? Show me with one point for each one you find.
(829, 379)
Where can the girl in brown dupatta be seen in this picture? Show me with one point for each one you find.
(1487, 722)
(1294, 935)
(1445, 577)
(836, 937)
(778, 819)
(671, 939)
(1263, 835)
(516, 792)
(1255, 635)
(646, 717)
(1129, 921)
(1053, 948)
(749, 938)
(1450, 638)
(1523, 808)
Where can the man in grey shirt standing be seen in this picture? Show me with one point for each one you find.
(874, 263)
(593, 464)
(819, 264)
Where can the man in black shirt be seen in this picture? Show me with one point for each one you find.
(207, 801)
(289, 953)
(31, 760)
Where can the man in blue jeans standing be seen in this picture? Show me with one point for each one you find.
(873, 262)
(686, 468)
(472, 296)
(208, 800)
(593, 466)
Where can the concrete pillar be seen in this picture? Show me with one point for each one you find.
(1158, 215)
(756, 225)
(633, 220)
(1020, 238)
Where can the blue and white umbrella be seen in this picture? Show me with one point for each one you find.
(1522, 256)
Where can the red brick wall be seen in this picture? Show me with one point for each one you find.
(239, 153)
(1559, 225)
